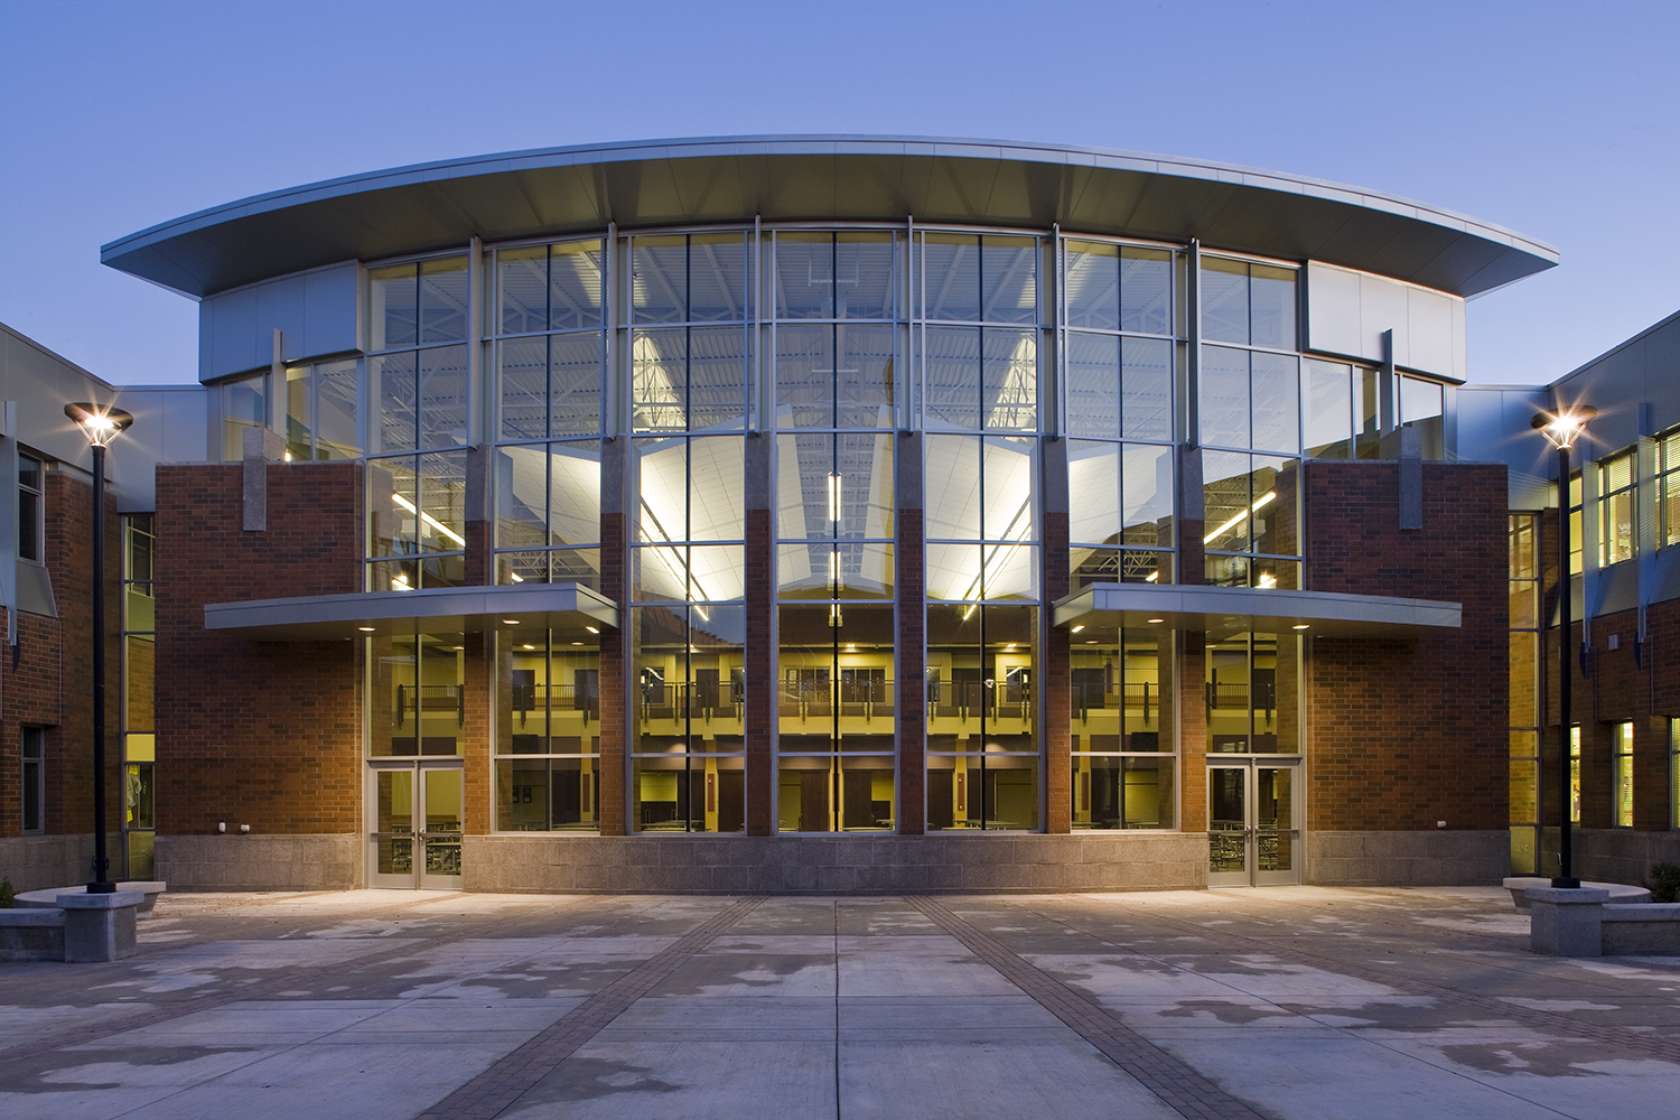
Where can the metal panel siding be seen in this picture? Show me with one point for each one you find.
(1333, 310)
(315, 312)
(1429, 316)
(1382, 307)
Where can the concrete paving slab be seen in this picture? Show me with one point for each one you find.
(694, 1080)
(746, 974)
(966, 1080)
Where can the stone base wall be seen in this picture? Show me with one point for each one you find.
(1408, 859)
(842, 865)
(1616, 855)
(34, 862)
(330, 861)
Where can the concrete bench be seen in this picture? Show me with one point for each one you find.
(47, 899)
(1651, 927)
(1520, 885)
(30, 934)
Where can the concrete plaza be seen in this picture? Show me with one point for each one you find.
(1287, 1002)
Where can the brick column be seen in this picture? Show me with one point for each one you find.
(479, 686)
(761, 683)
(1192, 731)
(1056, 665)
(615, 643)
(912, 638)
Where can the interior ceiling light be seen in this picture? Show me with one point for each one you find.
(365, 629)
(510, 622)
(592, 629)
(1301, 626)
(1156, 621)
(442, 530)
(1077, 628)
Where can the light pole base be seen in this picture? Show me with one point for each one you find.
(101, 886)
(1560, 883)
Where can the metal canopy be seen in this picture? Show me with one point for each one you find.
(1265, 611)
(566, 608)
(822, 178)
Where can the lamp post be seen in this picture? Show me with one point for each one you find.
(101, 425)
(1562, 429)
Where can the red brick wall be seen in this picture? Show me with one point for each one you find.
(260, 733)
(1406, 733)
(51, 685)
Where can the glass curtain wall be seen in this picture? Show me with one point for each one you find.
(548, 731)
(1621, 761)
(978, 322)
(1422, 407)
(417, 433)
(139, 737)
(688, 326)
(1118, 302)
(1250, 408)
(1524, 693)
(837, 345)
(548, 322)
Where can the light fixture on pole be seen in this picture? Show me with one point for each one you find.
(1562, 429)
(100, 425)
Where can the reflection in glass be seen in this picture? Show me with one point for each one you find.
(1327, 398)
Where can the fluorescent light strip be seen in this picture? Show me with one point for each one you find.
(1263, 500)
(444, 530)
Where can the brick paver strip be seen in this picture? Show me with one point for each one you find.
(498, 1087)
(1178, 1084)
(1641, 1040)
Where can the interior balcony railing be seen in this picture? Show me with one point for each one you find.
(562, 700)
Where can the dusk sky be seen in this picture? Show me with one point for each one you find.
(1560, 121)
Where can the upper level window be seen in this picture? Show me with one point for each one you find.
(1421, 407)
(1575, 524)
(836, 343)
(1339, 410)
(419, 303)
(244, 405)
(1248, 303)
(688, 338)
(32, 507)
(321, 415)
(1616, 527)
(1668, 487)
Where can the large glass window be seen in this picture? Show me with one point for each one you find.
(548, 731)
(1251, 507)
(1617, 527)
(1252, 693)
(1119, 403)
(1621, 762)
(977, 309)
(1674, 773)
(1523, 720)
(243, 405)
(417, 431)
(1123, 742)
(416, 694)
(1575, 773)
(982, 687)
(32, 509)
(139, 675)
(688, 336)
(549, 354)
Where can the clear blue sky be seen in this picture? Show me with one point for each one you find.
(1559, 120)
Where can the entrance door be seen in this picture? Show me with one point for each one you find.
(415, 826)
(1254, 827)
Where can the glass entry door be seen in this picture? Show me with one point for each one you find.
(415, 825)
(1254, 823)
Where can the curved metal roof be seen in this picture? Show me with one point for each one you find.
(820, 178)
